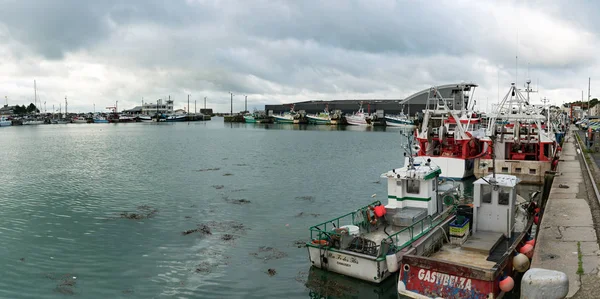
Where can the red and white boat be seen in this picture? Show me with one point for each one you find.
(525, 142)
(485, 250)
(450, 130)
(359, 118)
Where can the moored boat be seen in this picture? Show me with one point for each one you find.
(100, 120)
(176, 117)
(368, 243)
(359, 118)
(400, 120)
(287, 117)
(33, 122)
(144, 118)
(525, 140)
(5, 122)
(79, 120)
(448, 134)
(126, 118)
(249, 119)
(321, 118)
(484, 251)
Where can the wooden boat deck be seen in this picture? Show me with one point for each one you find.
(474, 252)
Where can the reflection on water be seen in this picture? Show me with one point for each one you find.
(323, 284)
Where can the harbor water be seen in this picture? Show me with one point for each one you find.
(67, 192)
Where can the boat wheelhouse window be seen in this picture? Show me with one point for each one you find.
(412, 186)
(504, 169)
(532, 171)
(518, 170)
(547, 150)
(503, 196)
(434, 184)
(399, 183)
(486, 194)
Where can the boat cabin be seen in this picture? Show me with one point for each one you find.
(494, 204)
(414, 188)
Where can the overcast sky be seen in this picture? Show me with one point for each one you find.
(100, 52)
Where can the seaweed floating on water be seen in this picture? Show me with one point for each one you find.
(208, 169)
(218, 186)
(201, 228)
(66, 283)
(267, 253)
(144, 212)
(241, 164)
(301, 214)
(306, 198)
(299, 243)
(271, 272)
(242, 201)
(227, 174)
(227, 237)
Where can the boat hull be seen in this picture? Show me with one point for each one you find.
(348, 263)
(357, 121)
(454, 168)
(33, 122)
(394, 122)
(318, 120)
(5, 123)
(283, 120)
(249, 120)
(530, 172)
(100, 121)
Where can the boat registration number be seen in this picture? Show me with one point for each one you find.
(343, 260)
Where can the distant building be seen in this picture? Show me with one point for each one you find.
(414, 103)
(160, 107)
(7, 110)
(207, 111)
(135, 111)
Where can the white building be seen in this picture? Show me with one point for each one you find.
(160, 107)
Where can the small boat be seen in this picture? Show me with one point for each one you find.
(477, 254)
(400, 120)
(287, 117)
(126, 118)
(144, 118)
(80, 120)
(369, 242)
(322, 118)
(60, 121)
(100, 120)
(32, 122)
(176, 117)
(5, 122)
(249, 119)
(359, 118)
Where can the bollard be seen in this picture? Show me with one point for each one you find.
(544, 284)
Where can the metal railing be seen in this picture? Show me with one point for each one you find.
(325, 229)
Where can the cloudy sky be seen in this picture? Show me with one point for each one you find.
(100, 52)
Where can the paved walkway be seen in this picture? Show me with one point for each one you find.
(568, 221)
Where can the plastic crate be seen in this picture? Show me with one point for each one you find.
(459, 230)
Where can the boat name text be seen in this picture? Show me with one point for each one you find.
(445, 279)
(343, 260)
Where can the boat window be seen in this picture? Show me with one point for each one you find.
(504, 169)
(399, 183)
(486, 193)
(503, 196)
(412, 186)
(434, 184)
(518, 170)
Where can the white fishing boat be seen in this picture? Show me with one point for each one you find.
(30, 122)
(287, 117)
(359, 118)
(98, 119)
(5, 122)
(400, 120)
(449, 132)
(144, 118)
(321, 118)
(126, 118)
(369, 242)
(80, 120)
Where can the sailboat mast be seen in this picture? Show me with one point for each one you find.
(34, 94)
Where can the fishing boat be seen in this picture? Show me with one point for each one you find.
(449, 132)
(287, 117)
(367, 243)
(176, 117)
(100, 120)
(5, 122)
(525, 140)
(359, 118)
(144, 118)
(80, 120)
(34, 121)
(249, 118)
(126, 118)
(399, 120)
(61, 121)
(476, 256)
(321, 118)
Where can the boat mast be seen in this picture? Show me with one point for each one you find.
(34, 94)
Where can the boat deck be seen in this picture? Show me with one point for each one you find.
(478, 251)
(379, 234)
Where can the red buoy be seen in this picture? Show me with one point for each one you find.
(527, 250)
(507, 284)
(536, 219)
(531, 242)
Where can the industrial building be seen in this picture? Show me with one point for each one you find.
(413, 103)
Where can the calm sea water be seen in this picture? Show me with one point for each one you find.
(63, 189)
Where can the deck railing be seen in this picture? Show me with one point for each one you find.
(325, 230)
(415, 230)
